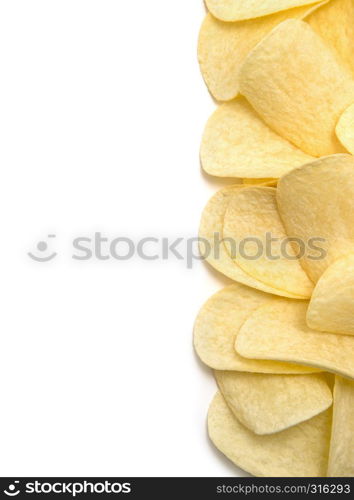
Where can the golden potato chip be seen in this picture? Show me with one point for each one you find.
(334, 23)
(266, 404)
(341, 456)
(330, 378)
(345, 128)
(237, 143)
(256, 240)
(331, 307)
(217, 326)
(223, 46)
(261, 182)
(316, 205)
(236, 10)
(211, 232)
(301, 451)
(296, 84)
(278, 332)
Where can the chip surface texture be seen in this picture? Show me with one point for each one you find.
(345, 129)
(223, 46)
(332, 304)
(341, 457)
(217, 326)
(267, 404)
(301, 451)
(236, 10)
(279, 332)
(297, 85)
(316, 203)
(237, 143)
(256, 240)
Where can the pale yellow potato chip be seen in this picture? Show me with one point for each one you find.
(237, 143)
(334, 23)
(222, 48)
(296, 84)
(279, 332)
(237, 10)
(331, 307)
(217, 326)
(341, 456)
(266, 404)
(345, 128)
(316, 205)
(212, 246)
(256, 240)
(301, 451)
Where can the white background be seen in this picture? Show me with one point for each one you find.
(102, 107)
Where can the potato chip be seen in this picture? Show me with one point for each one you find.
(331, 306)
(296, 84)
(236, 10)
(222, 48)
(261, 182)
(301, 451)
(334, 23)
(330, 378)
(316, 205)
(256, 240)
(217, 326)
(266, 404)
(279, 332)
(341, 456)
(211, 231)
(237, 143)
(345, 128)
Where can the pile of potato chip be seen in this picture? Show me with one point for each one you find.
(281, 338)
